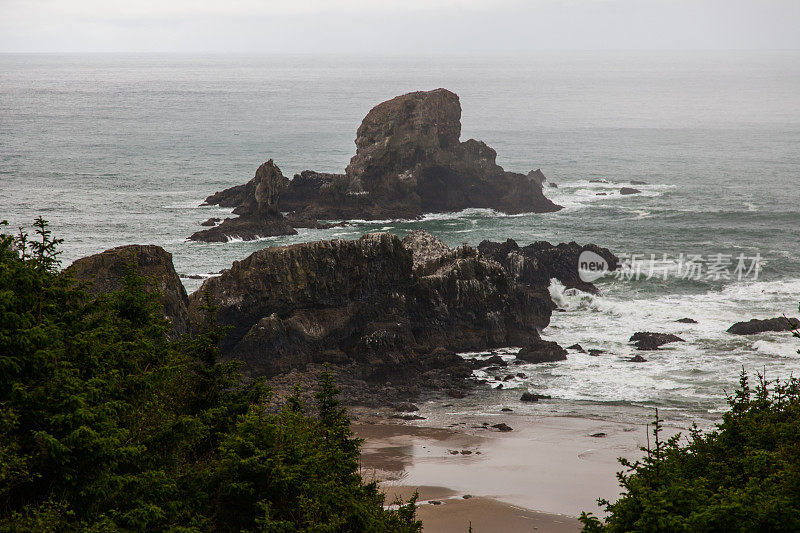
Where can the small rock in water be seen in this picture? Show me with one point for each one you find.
(506, 409)
(435, 502)
(647, 340)
(500, 386)
(466, 452)
(495, 360)
(453, 452)
(598, 435)
(508, 377)
(467, 496)
(522, 375)
(577, 348)
(502, 427)
(687, 320)
(637, 359)
(629, 190)
(210, 222)
(638, 182)
(533, 397)
(594, 352)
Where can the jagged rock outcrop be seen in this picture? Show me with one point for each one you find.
(257, 207)
(362, 303)
(753, 326)
(103, 273)
(536, 264)
(409, 161)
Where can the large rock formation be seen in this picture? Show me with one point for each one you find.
(257, 207)
(362, 302)
(103, 273)
(409, 161)
(380, 310)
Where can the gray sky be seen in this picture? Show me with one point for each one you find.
(395, 26)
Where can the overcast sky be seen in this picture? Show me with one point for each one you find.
(395, 26)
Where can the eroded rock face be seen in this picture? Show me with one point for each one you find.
(536, 264)
(257, 206)
(409, 161)
(366, 303)
(751, 327)
(103, 273)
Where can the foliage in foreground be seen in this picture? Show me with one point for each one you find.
(105, 425)
(744, 476)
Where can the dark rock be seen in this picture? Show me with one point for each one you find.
(434, 502)
(601, 194)
(637, 359)
(409, 161)
(533, 397)
(577, 348)
(522, 375)
(502, 427)
(506, 410)
(646, 340)
(534, 265)
(687, 321)
(598, 435)
(509, 377)
(500, 386)
(629, 190)
(754, 326)
(466, 452)
(553, 185)
(103, 273)
(594, 352)
(257, 210)
(598, 180)
(542, 352)
(493, 360)
(210, 222)
(638, 182)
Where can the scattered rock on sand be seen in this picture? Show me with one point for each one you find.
(502, 427)
(647, 340)
(754, 326)
(598, 435)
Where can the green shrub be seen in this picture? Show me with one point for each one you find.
(742, 477)
(106, 425)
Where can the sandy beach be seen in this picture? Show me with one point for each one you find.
(537, 477)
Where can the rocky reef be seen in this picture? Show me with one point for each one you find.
(409, 161)
(103, 273)
(754, 326)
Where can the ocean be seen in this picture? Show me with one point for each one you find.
(117, 149)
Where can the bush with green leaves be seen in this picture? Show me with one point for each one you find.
(107, 425)
(742, 477)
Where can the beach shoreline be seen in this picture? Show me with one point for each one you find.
(542, 474)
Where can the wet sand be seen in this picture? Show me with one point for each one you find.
(538, 477)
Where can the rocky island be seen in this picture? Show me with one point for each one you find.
(409, 161)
